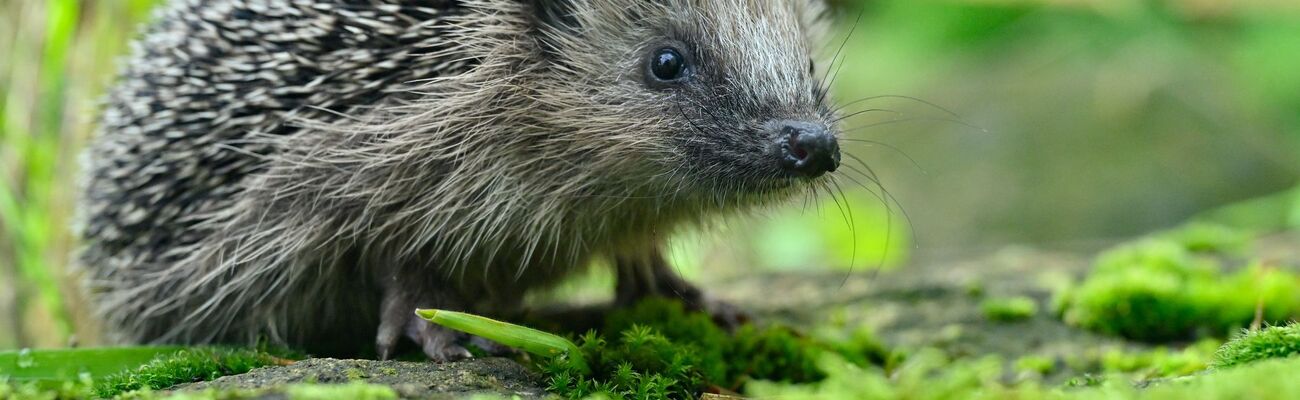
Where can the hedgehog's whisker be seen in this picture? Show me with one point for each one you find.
(888, 146)
(897, 114)
(889, 219)
(950, 113)
(831, 82)
(916, 119)
(853, 230)
(871, 176)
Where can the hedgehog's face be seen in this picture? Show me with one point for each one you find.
(713, 97)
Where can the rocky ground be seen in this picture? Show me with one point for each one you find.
(412, 380)
(936, 304)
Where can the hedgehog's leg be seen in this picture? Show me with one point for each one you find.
(398, 320)
(649, 274)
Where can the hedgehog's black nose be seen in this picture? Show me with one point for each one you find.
(806, 149)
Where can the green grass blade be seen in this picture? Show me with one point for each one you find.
(60, 365)
(520, 337)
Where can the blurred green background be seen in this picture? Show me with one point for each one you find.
(1062, 124)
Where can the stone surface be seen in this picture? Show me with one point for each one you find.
(935, 305)
(411, 380)
(938, 304)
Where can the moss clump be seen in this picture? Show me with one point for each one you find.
(930, 375)
(859, 346)
(659, 350)
(1128, 363)
(189, 365)
(1138, 304)
(1207, 237)
(1009, 309)
(641, 364)
(1039, 365)
(350, 391)
(1159, 290)
(83, 390)
(1160, 362)
(1271, 342)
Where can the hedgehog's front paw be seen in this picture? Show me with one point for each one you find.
(646, 276)
(727, 315)
(492, 348)
(397, 320)
(439, 343)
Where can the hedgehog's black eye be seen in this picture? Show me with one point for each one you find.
(667, 65)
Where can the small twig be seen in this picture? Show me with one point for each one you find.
(1258, 323)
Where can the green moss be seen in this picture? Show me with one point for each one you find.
(1208, 237)
(1039, 365)
(1009, 309)
(354, 374)
(859, 346)
(1271, 342)
(355, 390)
(1159, 290)
(1156, 255)
(1160, 362)
(1130, 363)
(930, 375)
(659, 350)
(71, 389)
(975, 289)
(1261, 381)
(1138, 304)
(189, 365)
(83, 390)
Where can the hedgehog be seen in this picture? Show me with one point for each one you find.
(309, 172)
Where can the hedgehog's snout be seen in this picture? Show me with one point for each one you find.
(805, 149)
